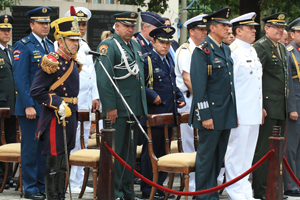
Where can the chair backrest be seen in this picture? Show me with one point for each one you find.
(183, 118)
(83, 115)
(98, 114)
(4, 113)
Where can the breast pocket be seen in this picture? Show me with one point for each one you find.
(158, 78)
(249, 69)
(219, 69)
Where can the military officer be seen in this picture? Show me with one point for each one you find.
(150, 21)
(88, 90)
(198, 32)
(27, 53)
(248, 87)
(56, 87)
(273, 58)
(125, 66)
(8, 90)
(163, 96)
(213, 109)
(292, 132)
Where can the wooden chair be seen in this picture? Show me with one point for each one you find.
(87, 158)
(94, 139)
(10, 153)
(172, 163)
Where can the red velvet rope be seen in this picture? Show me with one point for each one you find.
(291, 173)
(196, 193)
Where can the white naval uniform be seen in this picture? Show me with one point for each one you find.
(183, 62)
(88, 92)
(242, 140)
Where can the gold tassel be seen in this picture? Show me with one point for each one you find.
(50, 65)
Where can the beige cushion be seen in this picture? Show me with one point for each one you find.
(13, 149)
(178, 160)
(92, 142)
(139, 151)
(174, 146)
(85, 155)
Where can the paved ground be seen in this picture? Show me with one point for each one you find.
(11, 194)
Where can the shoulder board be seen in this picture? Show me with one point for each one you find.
(50, 41)
(147, 54)
(290, 48)
(233, 47)
(25, 39)
(50, 63)
(110, 37)
(84, 40)
(262, 40)
(203, 45)
(185, 45)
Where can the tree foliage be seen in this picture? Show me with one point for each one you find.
(8, 4)
(157, 6)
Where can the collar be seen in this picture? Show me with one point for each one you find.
(162, 58)
(275, 43)
(145, 39)
(120, 37)
(219, 45)
(38, 38)
(293, 43)
(63, 54)
(192, 44)
(2, 47)
(243, 43)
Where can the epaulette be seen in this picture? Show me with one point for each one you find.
(50, 63)
(147, 54)
(262, 40)
(185, 45)
(202, 46)
(110, 37)
(25, 39)
(233, 47)
(50, 41)
(80, 65)
(84, 40)
(290, 48)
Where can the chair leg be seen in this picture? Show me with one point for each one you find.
(155, 180)
(170, 184)
(85, 180)
(181, 185)
(20, 180)
(95, 176)
(224, 181)
(186, 184)
(15, 169)
(5, 176)
(67, 179)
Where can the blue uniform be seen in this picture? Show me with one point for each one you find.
(27, 53)
(145, 47)
(51, 99)
(164, 85)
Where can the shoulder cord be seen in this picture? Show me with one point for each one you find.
(178, 57)
(149, 79)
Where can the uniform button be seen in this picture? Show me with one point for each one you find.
(170, 75)
(257, 69)
(66, 62)
(196, 114)
(141, 78)
(229, 73)
(62, 84)
(38, 60)
(213, 103)
(90, 78)
(58, 68)
(258, 78)
(172, 84)
(198, 119)
(259, 97)
(90, 89)
(230, 83)
(196, 110)
(1, 67)
(174, 100)
(267, 97)
(60, 63)
(158, 76)
(231, 93)
(173, 92)
(65, 88)
(250, 65)
(259, 88)
(219, 66)
(58, 77)
(227, 63)
(66, 94)
(16, 92)
(141, 87)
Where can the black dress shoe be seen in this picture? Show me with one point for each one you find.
(43, 193)
(157, 196)
(137, 181)
(36, 196)
(120, 198)
(293, 193)
(6, 186)
(12, 183)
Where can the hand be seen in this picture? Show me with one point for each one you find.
(112, 114)
(95, 105)
(208, 124)
(264, 114)
(157, 100)
(64, 111)
(294, 115)
(180, 104)
(30, 112)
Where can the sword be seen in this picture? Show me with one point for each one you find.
(66, 154)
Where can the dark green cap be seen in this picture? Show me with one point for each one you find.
(127, 18)
(277, 19)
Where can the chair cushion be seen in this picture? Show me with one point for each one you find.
(178, 160)
(13, 149)
(174, 146)
(139, 151)
(92, 142)
(85, 155)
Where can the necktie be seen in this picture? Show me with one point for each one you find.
(130, 47)
(45, 46)
(7, 53)
(221, 47)
(166, 63)
(150, 45)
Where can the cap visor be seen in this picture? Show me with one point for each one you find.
(73, 37)
(223, 21)
(129, 24)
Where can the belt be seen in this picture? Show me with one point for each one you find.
(73, 100)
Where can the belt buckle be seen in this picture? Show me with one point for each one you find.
(74, 100)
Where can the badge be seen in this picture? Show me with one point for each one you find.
(248, 61)
(217, 61)
(140, 53)
(38, 56)
(273, 56)
(212, 46)
(2, 61)
(103, 49)
(251, 72)
(157, 70)
(142, 42)
(17, 52)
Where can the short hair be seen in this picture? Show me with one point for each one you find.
(106, 34)
(212, 22)
(268, 24)
(165, 18)
(236, 27)
(145, 23)
(32, 21)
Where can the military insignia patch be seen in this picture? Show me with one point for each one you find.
(132, 15)
(2, 61)
(281, 16)
(140, 53)
(44, 10)
(17, 54)
(103, 49)
(167, 30)
(274, 56)
(212, 46)
(251, 72)
(142, 42)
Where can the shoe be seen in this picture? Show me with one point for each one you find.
(43, 193)
(284, 197)
(120, 198)
(157, 196)
(137, 181)
(12, 183)
(293, 193)
(261, 198)
(162, 193)
(36, 196)
(89, 189)
(6, 186)
(136, 198)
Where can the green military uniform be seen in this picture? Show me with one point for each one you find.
(131, 85)
(275, 92)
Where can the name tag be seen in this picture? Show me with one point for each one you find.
(157, 70)
(248, 61)
(217, 61)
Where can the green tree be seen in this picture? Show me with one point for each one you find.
(8, 4)
(157, 6)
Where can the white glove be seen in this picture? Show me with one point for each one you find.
(62, 111)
